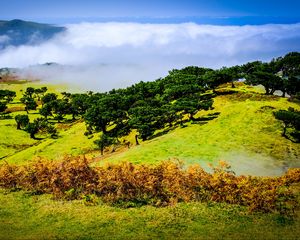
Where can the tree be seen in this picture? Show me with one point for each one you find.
(49, 97)
(2, 106)
(250, 67)
(191, 105)
(66, 95)
(7, 95)
(178, 84)
(79, 104)
(294, 85)
(32, 129)
(103, 142)
(39, 92)
(169, 114)
(44, 90)
(29, 92)
(21, 120)
(145, 119)
(40, 125)
(270, 81)
(29, 102)
(215, 78)
(191, 70)
(233, 73)
(60, 107)
(46, 110)
(105, 110)
(282, 73)
(290, 119)
(289, 65)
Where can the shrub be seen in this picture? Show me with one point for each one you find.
(167, 183)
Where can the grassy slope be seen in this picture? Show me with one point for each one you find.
(17, 147)
(244, 134)
(38, 217)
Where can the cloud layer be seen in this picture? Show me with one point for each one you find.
(102, 56)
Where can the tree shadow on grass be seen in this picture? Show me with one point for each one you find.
(182, 124)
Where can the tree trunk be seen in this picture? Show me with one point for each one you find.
(283, 94)
(232, 85)
(104, 129)
(284, 130)
(32, 135)
(136, 140)
(272, 91)
(267, 91)
(192, 117)
(18, 126)
(102, 149)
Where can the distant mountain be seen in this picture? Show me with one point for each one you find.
(18, 32)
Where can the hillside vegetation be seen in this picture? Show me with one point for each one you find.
(244, 133)
(132, 169)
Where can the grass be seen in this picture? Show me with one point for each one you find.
(21, 87)
(39, 217)
(244, 131)
(17, 147)
(71, 141)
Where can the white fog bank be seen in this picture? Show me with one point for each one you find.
(102, 56)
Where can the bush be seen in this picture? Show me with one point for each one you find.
(127, 184)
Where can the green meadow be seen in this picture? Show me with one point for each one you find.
(23, 216)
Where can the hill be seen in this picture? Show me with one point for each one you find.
(245, 134)
(241, 129)
(18, 32)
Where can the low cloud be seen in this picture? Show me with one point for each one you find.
(101, 56)
(4, 39)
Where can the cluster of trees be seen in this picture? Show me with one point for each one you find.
(31, 96)
(39, 125)
(282, 74)
(146, 107)
(74, 104)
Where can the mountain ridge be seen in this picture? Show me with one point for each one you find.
(18, 32)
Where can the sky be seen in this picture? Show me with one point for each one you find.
(113, 44)
(66, 11)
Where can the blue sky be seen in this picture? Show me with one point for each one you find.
(236, 12)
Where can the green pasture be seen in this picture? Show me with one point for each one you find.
(24, 216)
